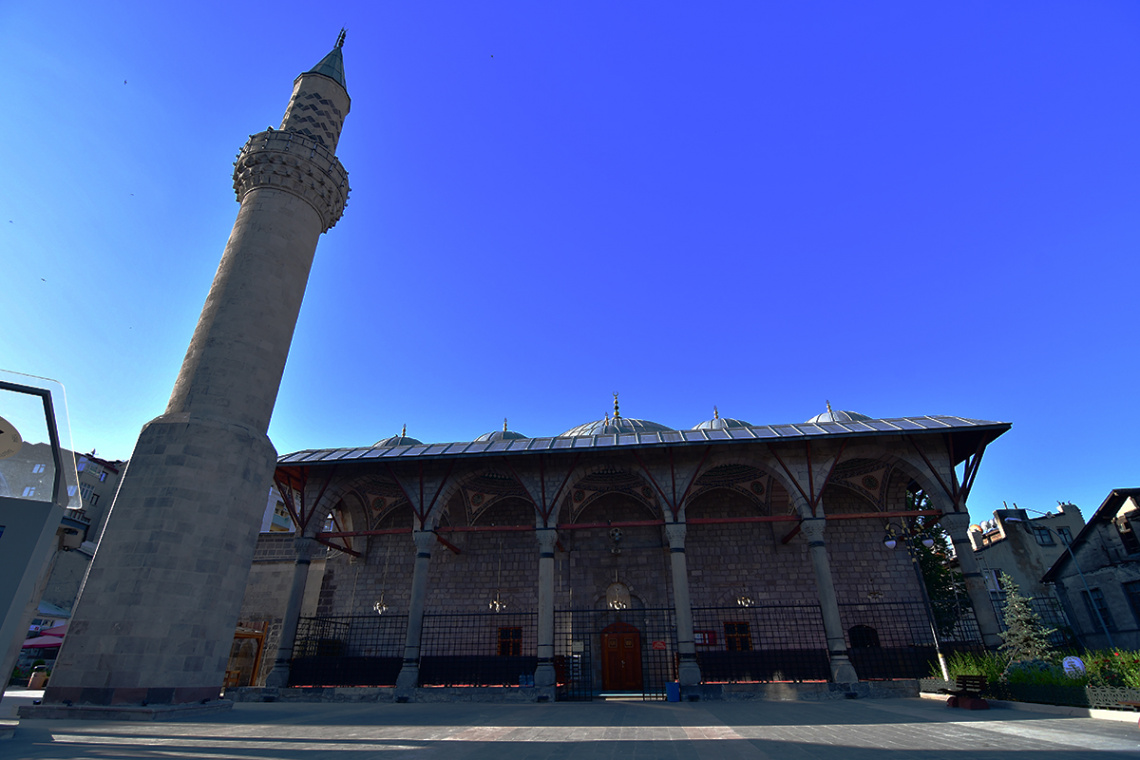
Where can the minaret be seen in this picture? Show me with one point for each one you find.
(157, 612)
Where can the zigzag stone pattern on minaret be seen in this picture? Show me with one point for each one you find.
(156, 615)
(306, 109)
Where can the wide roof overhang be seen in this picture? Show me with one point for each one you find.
(968, 434)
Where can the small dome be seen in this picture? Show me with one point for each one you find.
(617, 424)
(838, 416)
(403, 439)
(500, 435)
(721, 423)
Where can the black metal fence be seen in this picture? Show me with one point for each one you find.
(889, 640)
(761, 643)
(479, 649)
(587, 665)
(359, 650)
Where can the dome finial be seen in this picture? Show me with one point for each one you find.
(617, 414)
(340, 38)
(404, 432)
(716, 413)
(504, 424)
(828, 406)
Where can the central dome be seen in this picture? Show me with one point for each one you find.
(616, 424)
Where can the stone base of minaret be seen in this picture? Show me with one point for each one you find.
(169, 582)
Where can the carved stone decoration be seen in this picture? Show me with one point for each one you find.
(296, 164)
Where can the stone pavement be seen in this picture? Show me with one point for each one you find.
(840, 730)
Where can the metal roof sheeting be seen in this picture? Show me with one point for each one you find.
(801, 431)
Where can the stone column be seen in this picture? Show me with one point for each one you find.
(689, 673)
(957, 523)
(544, 675)
(409, 677)
(842, 671)
(279, 676)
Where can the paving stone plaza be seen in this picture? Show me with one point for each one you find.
(848, 729)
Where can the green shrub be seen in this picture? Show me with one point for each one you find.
(989, 664)
(1113, 668)
(1102, 668)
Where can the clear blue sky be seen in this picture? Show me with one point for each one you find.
(906, 208)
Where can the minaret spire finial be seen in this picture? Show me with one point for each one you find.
(504, 424)
(828, 407)
(340, 38)
(404, 432)
(617, 414)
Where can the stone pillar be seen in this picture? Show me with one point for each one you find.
(155, 620)
(279, 676)
(544, 675)
(689, 673)
(842, 671)
(409, 677)
(957, 524)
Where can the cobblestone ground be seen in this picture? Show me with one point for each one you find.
(845, 730)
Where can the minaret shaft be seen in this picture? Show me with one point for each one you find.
(156, 615)
(237, 355)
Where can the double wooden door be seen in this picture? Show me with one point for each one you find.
(621, 658)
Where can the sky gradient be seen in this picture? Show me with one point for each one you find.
(905, 209)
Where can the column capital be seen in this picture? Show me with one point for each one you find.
(957, 523)
(306, 547)
(675, 532)
(547, 538)
(812, 528)
(424, 540)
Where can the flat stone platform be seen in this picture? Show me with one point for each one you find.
(847, 729)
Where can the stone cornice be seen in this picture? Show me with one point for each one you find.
(296, 164)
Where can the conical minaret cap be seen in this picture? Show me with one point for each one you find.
(332, 65)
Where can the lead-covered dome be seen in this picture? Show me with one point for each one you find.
(500, 435)
(721, 423)
(838, 416)
(616, 424)
(403, 439)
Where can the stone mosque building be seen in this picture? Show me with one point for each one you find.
(618, 557)
(622, 556)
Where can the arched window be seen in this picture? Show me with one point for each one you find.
(863, 636)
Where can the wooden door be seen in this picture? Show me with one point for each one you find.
(621, 658)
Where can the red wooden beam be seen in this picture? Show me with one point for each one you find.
(448, 544)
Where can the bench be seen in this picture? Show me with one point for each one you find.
(967, 693)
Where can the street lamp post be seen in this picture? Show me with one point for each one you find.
(896, 533)
(1069, 548)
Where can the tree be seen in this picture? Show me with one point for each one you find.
(945, 586)
(1024, 637)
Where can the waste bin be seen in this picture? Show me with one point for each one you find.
(673, 691)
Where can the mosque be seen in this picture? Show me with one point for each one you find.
(622, 556)
(616, 558)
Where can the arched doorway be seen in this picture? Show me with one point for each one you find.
(621, 658)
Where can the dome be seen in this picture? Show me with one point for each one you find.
(617, 424)
(721, 423)
(500, 435)
(403, 439)
(838, 416)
